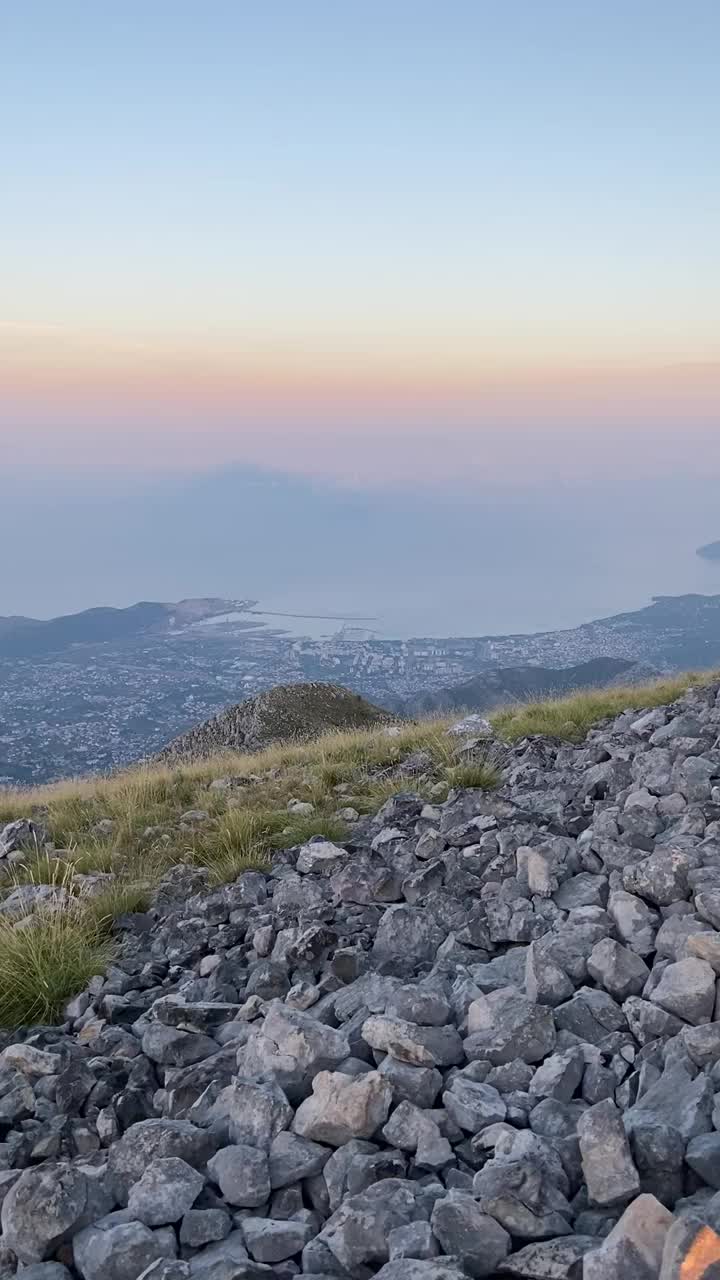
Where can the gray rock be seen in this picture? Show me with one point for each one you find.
(356, 1234)
(635, 922)
(321, 857)
(406, 935)
(418, 1046)
(167, 1189)
(420, 1085)
(31, 1061)
(661, 879)
(113, 1249)
(703, 1156)
(505, 1025)
(465, 1232)
(338, 1168)
(47, 1206)
(707, 905)
(414, 1241)
(293, 1047)
(702, 1043)
(648, 1021)
(421, 1269)
(242, 1174)
(154, 1140)
(472, 1105)
(634, 1247)
(520, 1190)
(166, 1269)
(591, 1015)
(559, 1075)
(549, 1259)
(608, 1168)
(252, 1113)
(421, 1006)
(226, 1260)
(618, 969)
(677, 1101)
(583, 890)
(270, 1241)
(472, 725)
(545, 981)
(20, 834)
(687, 990)
(293, 1157)
(342, 1108)
(204, 1226)
(411, 1129)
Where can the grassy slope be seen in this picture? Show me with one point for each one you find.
(42, 965)
(569, 718)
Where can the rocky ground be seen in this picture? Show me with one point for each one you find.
(479, 1039)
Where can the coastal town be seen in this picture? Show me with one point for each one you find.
(94, 705)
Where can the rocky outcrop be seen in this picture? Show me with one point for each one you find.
(285, 713)
(480, 1040)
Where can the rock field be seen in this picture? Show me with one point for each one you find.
(480, 1039)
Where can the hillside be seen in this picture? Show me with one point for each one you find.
(470, 1030)
(505, 685)
(32, 638)
(287, 713)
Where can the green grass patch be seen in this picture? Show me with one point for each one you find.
(300, 828)
(480, 774)
(121, 897)
(571, 717)
(238, 841)
(47, 959)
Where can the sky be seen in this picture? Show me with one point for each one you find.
(396, 247)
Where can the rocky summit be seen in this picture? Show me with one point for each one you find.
(478, 1038)
(285, 713)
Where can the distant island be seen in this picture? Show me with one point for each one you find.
(710, 552)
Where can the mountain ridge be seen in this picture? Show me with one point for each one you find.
(31, 637)
(285, 713)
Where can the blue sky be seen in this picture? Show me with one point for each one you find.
(241, 173)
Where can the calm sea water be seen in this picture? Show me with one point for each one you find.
(541, 595)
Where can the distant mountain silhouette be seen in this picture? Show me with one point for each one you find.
(32, 638)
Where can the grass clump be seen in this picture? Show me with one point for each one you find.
(571, 717)
(46, 959)
(300, 828)
(239, 841)
(480, 774)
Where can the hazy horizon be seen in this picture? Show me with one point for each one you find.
(427, 563)
(445, 276)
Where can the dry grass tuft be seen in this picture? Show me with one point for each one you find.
(481, 774)
(570, 717)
